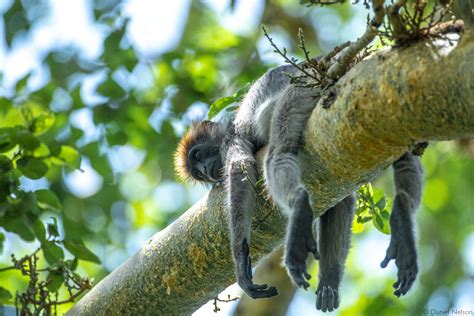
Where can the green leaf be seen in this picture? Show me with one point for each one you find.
(232, 108)
(21, 84)
(381, 203)
(5, 164)
(7, 138)
(53, 228)
(29, 203)
(18, 226)
(364, 219)
(111, 89)
(52, 252)
(78, 249)
(27, 140)
(5, 296)
(2, 239)
(39, 230)
(71, 156)
(118, 138)
(219, 105)
(385, 215)
(71, 264)
(112, 42)
(378, 194)
(27, 113)
(42, 151)
(54, 280)
(32, 168)
(243, 91)
(380, 224)
(42, 123)
(48, 199)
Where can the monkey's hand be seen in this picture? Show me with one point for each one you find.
(300, 241)
(244, 276)
(403, 250)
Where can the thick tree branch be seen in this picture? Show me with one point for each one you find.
(384, 105)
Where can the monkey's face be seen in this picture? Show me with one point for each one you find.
(205, 163)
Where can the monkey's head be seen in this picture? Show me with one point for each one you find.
(197, 156)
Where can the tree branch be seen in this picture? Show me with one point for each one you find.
(383, 106)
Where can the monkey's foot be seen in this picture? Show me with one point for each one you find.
(327, 294)
(258, 290)
(405, 256)
(297, 250)
(300, 241)
(244, 276)
(327, 298)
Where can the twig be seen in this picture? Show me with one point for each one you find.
(341, 66)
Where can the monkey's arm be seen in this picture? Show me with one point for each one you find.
(242, 176)
(408, 176)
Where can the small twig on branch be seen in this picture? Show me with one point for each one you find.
(341, 66)
(309, 3)
(396, 22)
(310, 68)
(217, 299)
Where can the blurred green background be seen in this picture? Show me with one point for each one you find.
(95, 95)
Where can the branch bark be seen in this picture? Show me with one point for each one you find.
(384, 105)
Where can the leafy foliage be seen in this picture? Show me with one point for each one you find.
(372, 206)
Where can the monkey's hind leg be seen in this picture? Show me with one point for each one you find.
(408, 176)
(287, 191)
(334, 241)
(283, 179)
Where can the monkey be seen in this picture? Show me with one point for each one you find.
(274, 113)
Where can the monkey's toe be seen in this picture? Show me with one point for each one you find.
(296, 265)
(295, 260)
(298, 276)
(312, 247)
(327, 298)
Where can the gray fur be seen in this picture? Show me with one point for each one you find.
(408, 176)
(275, 113)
